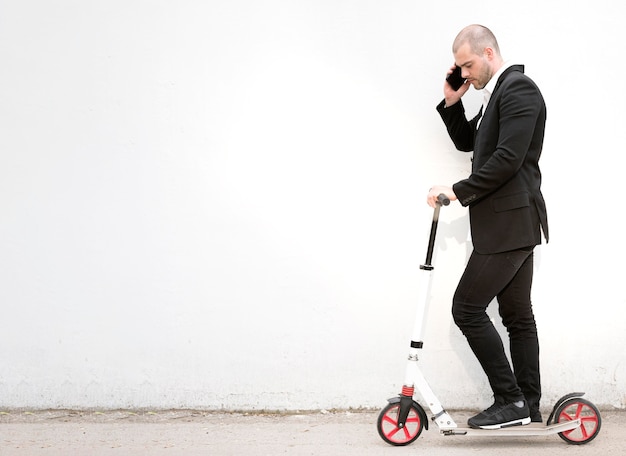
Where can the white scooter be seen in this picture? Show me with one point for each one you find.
(574, 419)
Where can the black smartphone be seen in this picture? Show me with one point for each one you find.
(455, 79)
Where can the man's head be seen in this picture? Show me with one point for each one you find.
(477, 52)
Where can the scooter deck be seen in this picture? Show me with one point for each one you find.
(532, 429)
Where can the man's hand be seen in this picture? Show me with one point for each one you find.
(451, 96)
(437, 190)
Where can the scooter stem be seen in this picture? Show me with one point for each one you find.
(442, 200)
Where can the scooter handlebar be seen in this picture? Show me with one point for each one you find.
(443, 199)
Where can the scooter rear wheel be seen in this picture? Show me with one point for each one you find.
(590, 420)
(389, 430)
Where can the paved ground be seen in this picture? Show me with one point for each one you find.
(220, 434)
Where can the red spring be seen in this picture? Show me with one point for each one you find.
(408, 391)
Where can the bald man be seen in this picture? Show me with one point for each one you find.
(507, 214)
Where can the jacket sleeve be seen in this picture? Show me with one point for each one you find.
(461, 130)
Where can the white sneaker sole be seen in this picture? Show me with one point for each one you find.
(522, 422)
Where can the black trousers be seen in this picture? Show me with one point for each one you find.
(508, 277)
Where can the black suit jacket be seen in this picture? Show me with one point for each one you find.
(507, 209)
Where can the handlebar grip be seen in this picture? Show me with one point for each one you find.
(443, 199)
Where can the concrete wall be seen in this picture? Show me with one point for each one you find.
(220, 204)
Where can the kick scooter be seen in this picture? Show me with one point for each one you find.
(574, 419)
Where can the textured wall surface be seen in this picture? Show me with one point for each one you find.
(222, 204)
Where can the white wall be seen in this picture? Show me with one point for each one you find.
(221, 204)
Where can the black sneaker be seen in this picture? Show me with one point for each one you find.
(535, 416)
(501, 415)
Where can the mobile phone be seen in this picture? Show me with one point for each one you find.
(455, 79)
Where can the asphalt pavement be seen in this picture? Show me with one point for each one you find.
(322, 433)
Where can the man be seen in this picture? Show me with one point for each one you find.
(507, 212)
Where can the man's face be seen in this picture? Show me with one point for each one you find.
(475, 68)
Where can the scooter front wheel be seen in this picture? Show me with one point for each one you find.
(589, 417)
(393, 434)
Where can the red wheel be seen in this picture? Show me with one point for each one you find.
(589, 416)
(388, 425)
